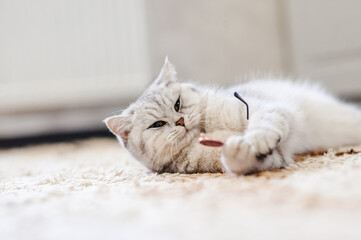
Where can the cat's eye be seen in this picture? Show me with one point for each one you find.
(177, 105)
(158, 124)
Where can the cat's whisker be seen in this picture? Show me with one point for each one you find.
(157, 164)
(204, 121)
(197, 114)
(211, 107)
(171, 136)
(158, 154)
(176, 145)
(194, 109)
(171, 151)
(169, 139)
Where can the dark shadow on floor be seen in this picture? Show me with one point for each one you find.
(52, 138)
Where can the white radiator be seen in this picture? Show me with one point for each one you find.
(325, 41)
(59, 55)
(68, 53)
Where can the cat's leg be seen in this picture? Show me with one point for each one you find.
(264, 144)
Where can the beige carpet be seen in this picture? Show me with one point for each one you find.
(94, 190)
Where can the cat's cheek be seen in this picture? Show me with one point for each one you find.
(182, 133)
(192, 135)
(193, 120)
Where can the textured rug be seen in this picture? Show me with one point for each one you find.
(94, 190)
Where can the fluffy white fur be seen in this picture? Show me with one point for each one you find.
(285, 118)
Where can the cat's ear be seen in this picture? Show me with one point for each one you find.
(119, 125)
(167, 75)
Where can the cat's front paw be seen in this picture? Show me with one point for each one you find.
(263, 142)
(238, 156)
(246, 154)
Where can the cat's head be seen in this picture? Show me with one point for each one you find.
(163, 121)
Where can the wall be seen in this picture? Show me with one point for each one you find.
(215, 41)
(325, 43)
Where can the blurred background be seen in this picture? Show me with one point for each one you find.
(66, 65)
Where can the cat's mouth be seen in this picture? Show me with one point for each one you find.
(189, 134)
(193, 132)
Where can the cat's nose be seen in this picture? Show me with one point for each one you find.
(180, 122)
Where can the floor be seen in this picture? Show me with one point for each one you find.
(93, 189)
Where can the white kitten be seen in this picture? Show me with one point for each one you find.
(162, 127)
